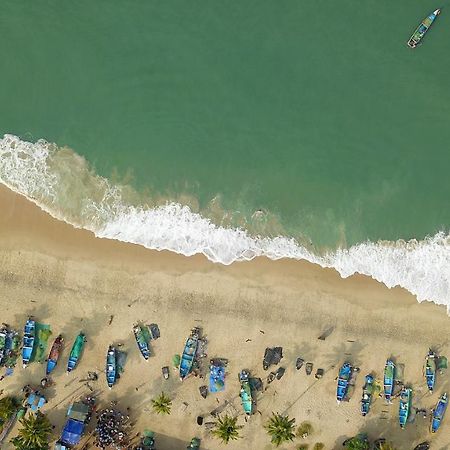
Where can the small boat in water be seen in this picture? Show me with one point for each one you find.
(405, 406)
(389, 379)
(189, 352)
(438, 413)
(421, 30)
(111, 366)
(76, 351)
(142, 340)
(430, 370)
(343, 381)
(246, 392)
(366, 399)
(54, 354)
(29, 336)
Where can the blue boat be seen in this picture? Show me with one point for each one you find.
(189, 352)
(111, 366)
(438, 413)
(366, 399)
(389, 379)
(430, 370)
(140, 334)
(405, 406)
(3, 344)
(216, 377)
(29, 335)
(345, 374)
(54, 354)
(246, 392)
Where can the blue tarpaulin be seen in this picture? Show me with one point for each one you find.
(72, 432)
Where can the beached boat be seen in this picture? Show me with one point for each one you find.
(12, 349)
(405, 406)
(216, 376)
(366, 399)
(29, 335)
(438, 413)
(54, 354)
(430, 370)
(3, 336)
(189, 352)
(142, 341)
(421, 30)
(194, 444)
(343, 381)
(389, 379)
(111, 366)
(246, 392)
(76, 351)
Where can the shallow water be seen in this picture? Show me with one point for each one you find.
(311, 121)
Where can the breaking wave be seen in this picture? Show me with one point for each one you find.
(62, 183)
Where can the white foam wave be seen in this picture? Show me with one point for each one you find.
(61, 183)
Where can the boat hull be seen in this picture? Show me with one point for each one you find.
(422, 29)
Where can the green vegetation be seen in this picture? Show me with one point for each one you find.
(8, 406)
(35, 433)
(359, 442)
(280, 429)
(303, 447)
(162, 404)
(304, 430)
(319, 446)
(226, 429)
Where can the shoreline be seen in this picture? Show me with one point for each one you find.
(70, 279)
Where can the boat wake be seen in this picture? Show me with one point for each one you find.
(63, 184)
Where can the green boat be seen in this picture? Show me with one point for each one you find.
(75, 353)
(421, 30)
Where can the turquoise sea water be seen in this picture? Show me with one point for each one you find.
(310, 120)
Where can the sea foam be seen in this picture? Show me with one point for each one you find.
(61, 182)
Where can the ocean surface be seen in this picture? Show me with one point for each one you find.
(305, 130)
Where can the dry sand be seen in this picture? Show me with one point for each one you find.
(73, 281)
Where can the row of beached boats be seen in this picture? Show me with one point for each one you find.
(389, 382)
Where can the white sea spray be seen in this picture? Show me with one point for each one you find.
(61, 183)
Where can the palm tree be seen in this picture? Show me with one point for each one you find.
(304, 430)
(8, 406)
(358, 442)
(162, 404)
(280, 429)
(35, 433)
(226, 429)
(387, 446)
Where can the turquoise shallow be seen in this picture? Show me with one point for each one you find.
(310, 120)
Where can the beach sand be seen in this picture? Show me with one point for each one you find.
(73, 281)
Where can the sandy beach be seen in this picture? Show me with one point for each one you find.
(73, 281)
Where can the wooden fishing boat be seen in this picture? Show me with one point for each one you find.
(421, 30)
(76, 351)
(389, 379)
(111, 366)
(343, 381)
(29, 336)
(3, 336)
(405, 406)
(430, 370)
(438, 413)
(54, 354)
(189, 352)
(246, 392)
(142, 340)
(366, 399)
